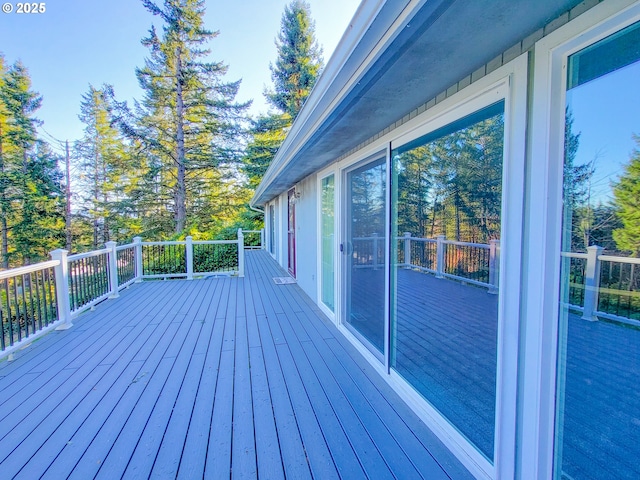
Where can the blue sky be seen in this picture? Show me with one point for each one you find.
(606, 121)
(80, 42)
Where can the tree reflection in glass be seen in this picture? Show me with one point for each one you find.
(448, 184)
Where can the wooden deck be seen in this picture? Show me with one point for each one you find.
(217, 378)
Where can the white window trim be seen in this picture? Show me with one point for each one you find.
(327, 172)
(542, 233)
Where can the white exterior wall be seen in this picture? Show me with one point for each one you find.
(306, 233)
(306, 236)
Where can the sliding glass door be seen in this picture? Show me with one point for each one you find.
(364, 252)
(597, 398)
(446, 226)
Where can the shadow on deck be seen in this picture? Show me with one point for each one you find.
(212, 378)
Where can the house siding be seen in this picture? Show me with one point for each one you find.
(510, 461)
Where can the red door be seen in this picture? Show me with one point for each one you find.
(291, 231)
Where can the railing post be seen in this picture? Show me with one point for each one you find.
(112, 257)
(494, 265)
(440, 256)
(591, 283)
(262, 239)
(137, 252)
(375, 251)
(407, 249)
(189, 257)
(61, 273)
(240, 253)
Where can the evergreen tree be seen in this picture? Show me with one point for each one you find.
(41, 227)
(267, 134)
(101, 156)
(626, 194)
(299, 60)
(294, 74)
(576, 192)
(4, 174)
(30, 201)
(187, 122)
(452, 185)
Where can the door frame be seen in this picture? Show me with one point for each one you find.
(291, 231)
(381, 358)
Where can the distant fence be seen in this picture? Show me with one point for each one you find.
(253, 239)
(603, 285)
(475, 263)
(38, 298)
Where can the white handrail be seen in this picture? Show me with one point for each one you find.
(466, 244)
(93, 253)
(36, 267)
(215, 242)
(611, 258)
(573, 255)
(165, 243)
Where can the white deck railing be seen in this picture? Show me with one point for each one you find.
(475, 263)
(599, 273)
(47, 295)
(254, 239)
(28, 304)
(607, 286)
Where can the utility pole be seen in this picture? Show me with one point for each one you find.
(67, 207)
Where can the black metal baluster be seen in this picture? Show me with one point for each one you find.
(102, 275)
(2, 334)
(81, 283)
(46, 286)
(33, 315)
(73, 285)
(9, 312)
(77, 280)
(39, 303)
(17, 307)
(53, 292)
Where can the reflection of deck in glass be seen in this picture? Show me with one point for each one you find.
(449, 356)
(446, 348)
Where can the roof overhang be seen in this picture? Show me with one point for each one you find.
(394, 57)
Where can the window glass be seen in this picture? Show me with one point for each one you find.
(598, 398)
(327, 245)
(446, 224)
(364, 249)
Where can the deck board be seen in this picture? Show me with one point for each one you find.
(216, 378)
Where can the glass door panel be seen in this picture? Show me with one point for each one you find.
(446, 226)
(364, 250)
(327, 238)
(598, 394)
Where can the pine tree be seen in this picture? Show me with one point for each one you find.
(41, 227)
(187, 121)
(626, 194)
(4, 177)
(268, 132)
(299, 60)
(30, 200)
(294, 74)
(101, 156)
